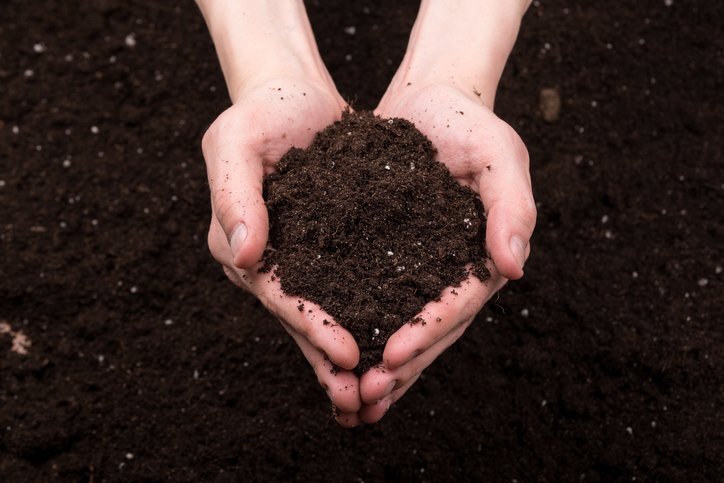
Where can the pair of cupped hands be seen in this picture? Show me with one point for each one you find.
(268, 117)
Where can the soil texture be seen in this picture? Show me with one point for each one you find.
(127, 356)
(367, 224)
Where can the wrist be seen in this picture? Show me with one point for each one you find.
(464, 43)
(258, 40)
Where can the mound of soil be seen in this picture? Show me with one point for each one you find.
(369, 226)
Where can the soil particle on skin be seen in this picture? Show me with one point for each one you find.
(366, 223)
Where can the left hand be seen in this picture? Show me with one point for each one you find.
(484, 153)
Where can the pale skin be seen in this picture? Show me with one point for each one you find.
(282, 95)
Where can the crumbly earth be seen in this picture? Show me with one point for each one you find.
(604, 363)
(367, 224)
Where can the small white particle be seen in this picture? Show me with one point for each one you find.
(112, 60)
(38, 147)
(39, 48)
(29, 73)
(543, 403)
(604, 218)
(2, 183)
(16, 129)
(68, 57)
(134, 289)
(63, 224)
(66, 163)
(703, 282)
(390, 121)
(129, 456)
(668, 3)
(635, 274)
(594, 103)
(94, 129)
(608, 234)
(525, 313)
(718, 270)
(348, 57)
(131, 40)
(350, 30)
(94, 222)
(663, 212)
(609, 46)
(168, 322)
(389, 254)
(376, 332)
(642, 41)
(629, 430)
(387, 167)
(196, 374)
(653, 424)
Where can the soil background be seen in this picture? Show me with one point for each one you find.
(604, 363)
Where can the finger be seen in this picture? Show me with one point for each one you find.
(379, 383)
(372, 413)
(342, 387)
(348, 420)
(397, 381)
(456, 306)
(505, 190)
(235, 180)
(316, 326)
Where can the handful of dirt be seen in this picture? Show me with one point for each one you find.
(369, 226)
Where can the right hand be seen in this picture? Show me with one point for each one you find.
(244, 144)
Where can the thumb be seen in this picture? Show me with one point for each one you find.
(509, 228)
(506, 193)
(236, 184)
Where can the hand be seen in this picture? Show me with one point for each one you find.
(241, 146)
(482, 152)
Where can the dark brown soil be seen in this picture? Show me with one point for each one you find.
(146, 364)
(367, 224)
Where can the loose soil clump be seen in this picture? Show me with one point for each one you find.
(367, 224)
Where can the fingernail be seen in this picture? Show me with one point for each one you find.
(329, 393)
(389, 403)
(518, 248)
(237, 239)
